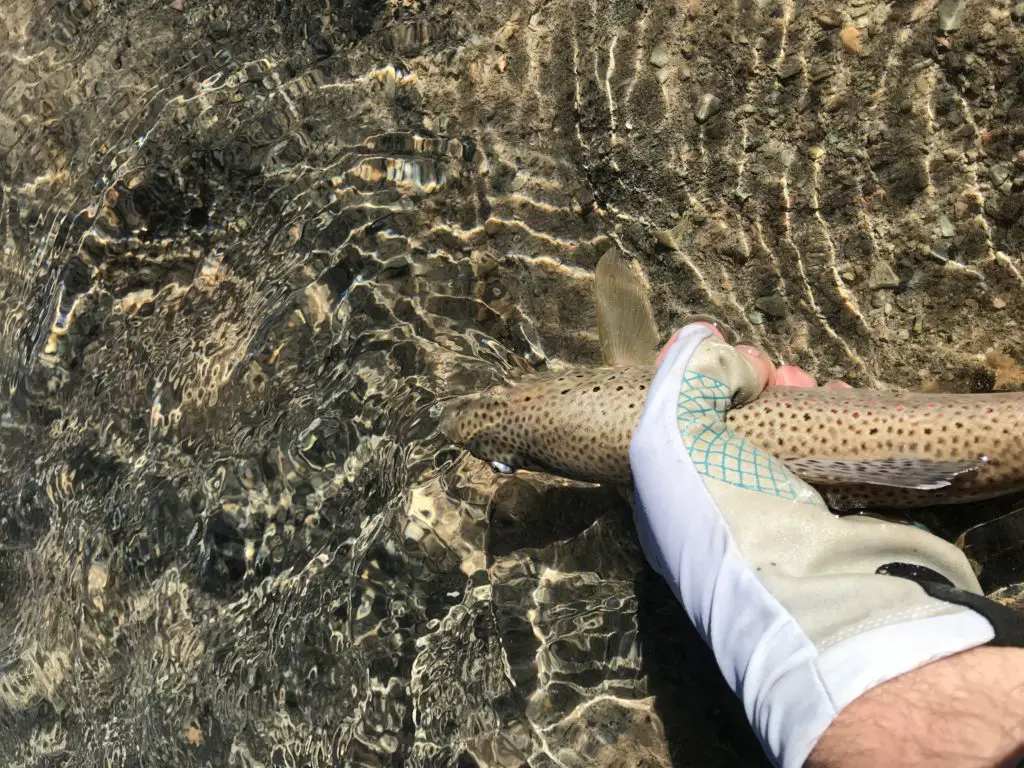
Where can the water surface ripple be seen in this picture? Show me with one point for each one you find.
(247, 249)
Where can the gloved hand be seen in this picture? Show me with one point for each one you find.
(801, 607)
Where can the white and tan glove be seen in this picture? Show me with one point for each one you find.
(804, 610)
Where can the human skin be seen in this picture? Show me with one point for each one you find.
(962, 711)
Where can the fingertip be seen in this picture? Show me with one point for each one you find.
(792, 376)
(837, 385)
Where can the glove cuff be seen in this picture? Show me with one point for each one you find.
(791, 712)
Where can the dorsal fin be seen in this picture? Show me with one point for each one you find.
(625, 320)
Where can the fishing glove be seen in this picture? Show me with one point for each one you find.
(804, 610)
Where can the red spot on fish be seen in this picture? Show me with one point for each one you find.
(856, 414)
(899, 409)
(988, 410)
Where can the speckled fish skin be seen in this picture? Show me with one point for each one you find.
(578, 425)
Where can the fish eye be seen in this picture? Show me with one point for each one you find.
(504, 469)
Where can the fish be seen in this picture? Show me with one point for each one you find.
(860, 448)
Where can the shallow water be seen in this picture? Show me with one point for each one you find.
(247, 248)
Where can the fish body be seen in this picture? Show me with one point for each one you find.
(860, 448)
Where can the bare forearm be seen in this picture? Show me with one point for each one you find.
(962, 711)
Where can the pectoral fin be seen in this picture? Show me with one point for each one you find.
(625, 320)
(919, 474)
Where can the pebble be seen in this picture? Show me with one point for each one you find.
(773, 306)
(850, 38)
(659, 55)
(861, 9)
(1005, 210)
(791, 67)
(999, 174)
(755, 317)
(877, 300)
(707, 105)
(999, 302)
(951, 14)
(821, 71)
(672, 238)
(882, 276)
(1017, 14)
(946, 226)
(849, 275)
(816, 152)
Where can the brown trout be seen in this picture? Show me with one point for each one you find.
(860, 448)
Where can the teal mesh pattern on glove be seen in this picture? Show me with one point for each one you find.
(722, 454)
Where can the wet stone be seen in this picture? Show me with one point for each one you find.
(773, 306)
(882, 276)
(860, 9)
(999, 174)
(850, 37)
(1005, 209)
(707, 106)
(790, 68)
(659, 55)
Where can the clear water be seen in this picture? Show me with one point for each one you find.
(247, 249)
